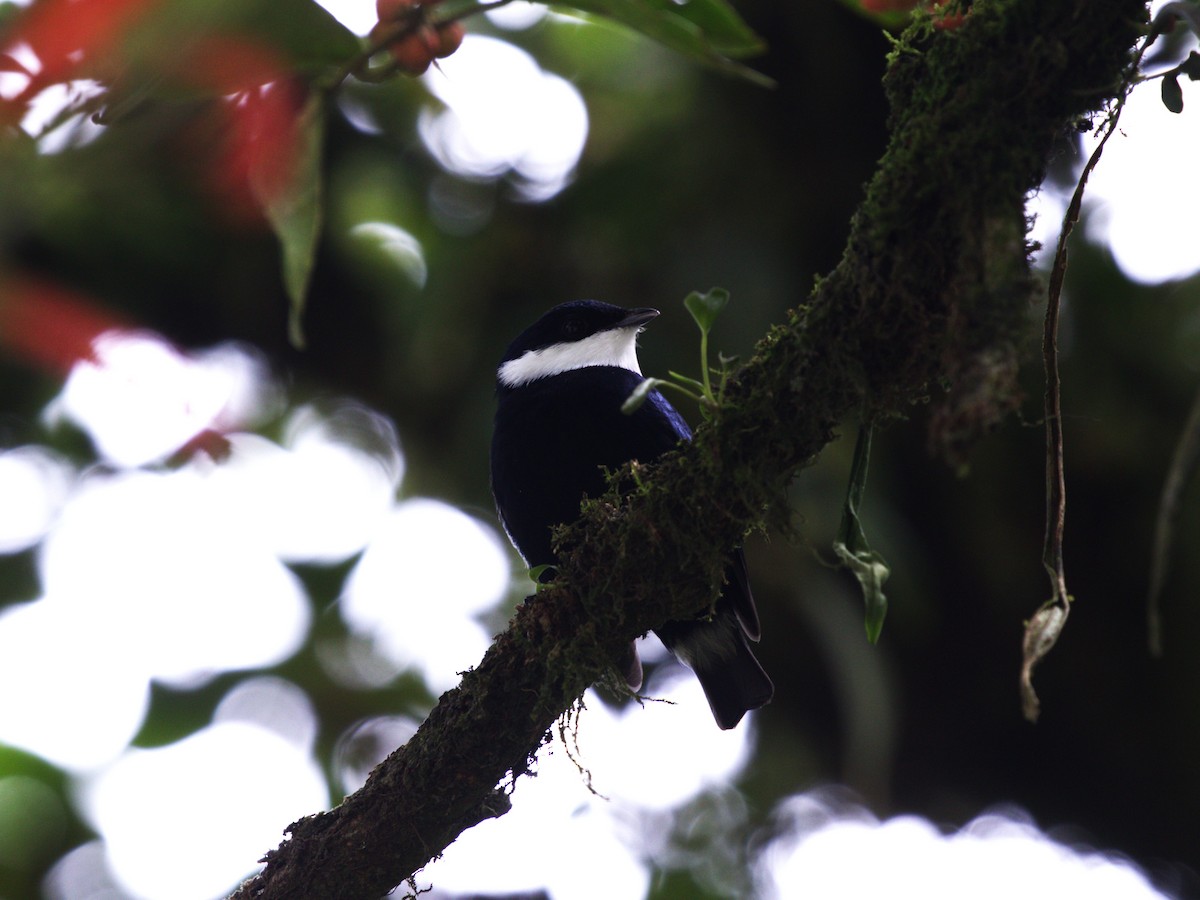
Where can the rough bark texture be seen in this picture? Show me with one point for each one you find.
(934, 291)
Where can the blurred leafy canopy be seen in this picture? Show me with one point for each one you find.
(276, 62)
(708, 31)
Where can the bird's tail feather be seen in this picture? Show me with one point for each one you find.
(734, 685)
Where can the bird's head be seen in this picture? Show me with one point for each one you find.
(574, 335)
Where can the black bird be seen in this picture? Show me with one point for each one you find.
(559, 422)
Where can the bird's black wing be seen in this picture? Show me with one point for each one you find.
(554, 438)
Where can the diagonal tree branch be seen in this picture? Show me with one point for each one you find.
(934, 290)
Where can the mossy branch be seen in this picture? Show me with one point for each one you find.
(934, 290)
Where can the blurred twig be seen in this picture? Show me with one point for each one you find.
(1183, 467)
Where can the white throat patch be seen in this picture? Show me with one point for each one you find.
(615, 347)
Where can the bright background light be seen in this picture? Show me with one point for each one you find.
(1140, 198)
(177, 573)
(34, 483)
(187, 821)
(504, 114)
(498, 113)
(836, 850)
(599, 842)
(429, 570)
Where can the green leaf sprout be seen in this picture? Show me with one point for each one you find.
(536, 574)
(704, 309)
(851, 544)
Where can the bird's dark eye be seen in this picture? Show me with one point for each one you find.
(574, 329)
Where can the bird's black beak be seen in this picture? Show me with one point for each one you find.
(637, 317)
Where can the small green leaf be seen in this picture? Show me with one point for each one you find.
(851, 545)
(634, 401)
(706, 307)
(304, 29)
(296, 212)
(710, 31)
(712, 24)
(871, 571)
(296, 36)
(721, 24)
(1172, 94)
